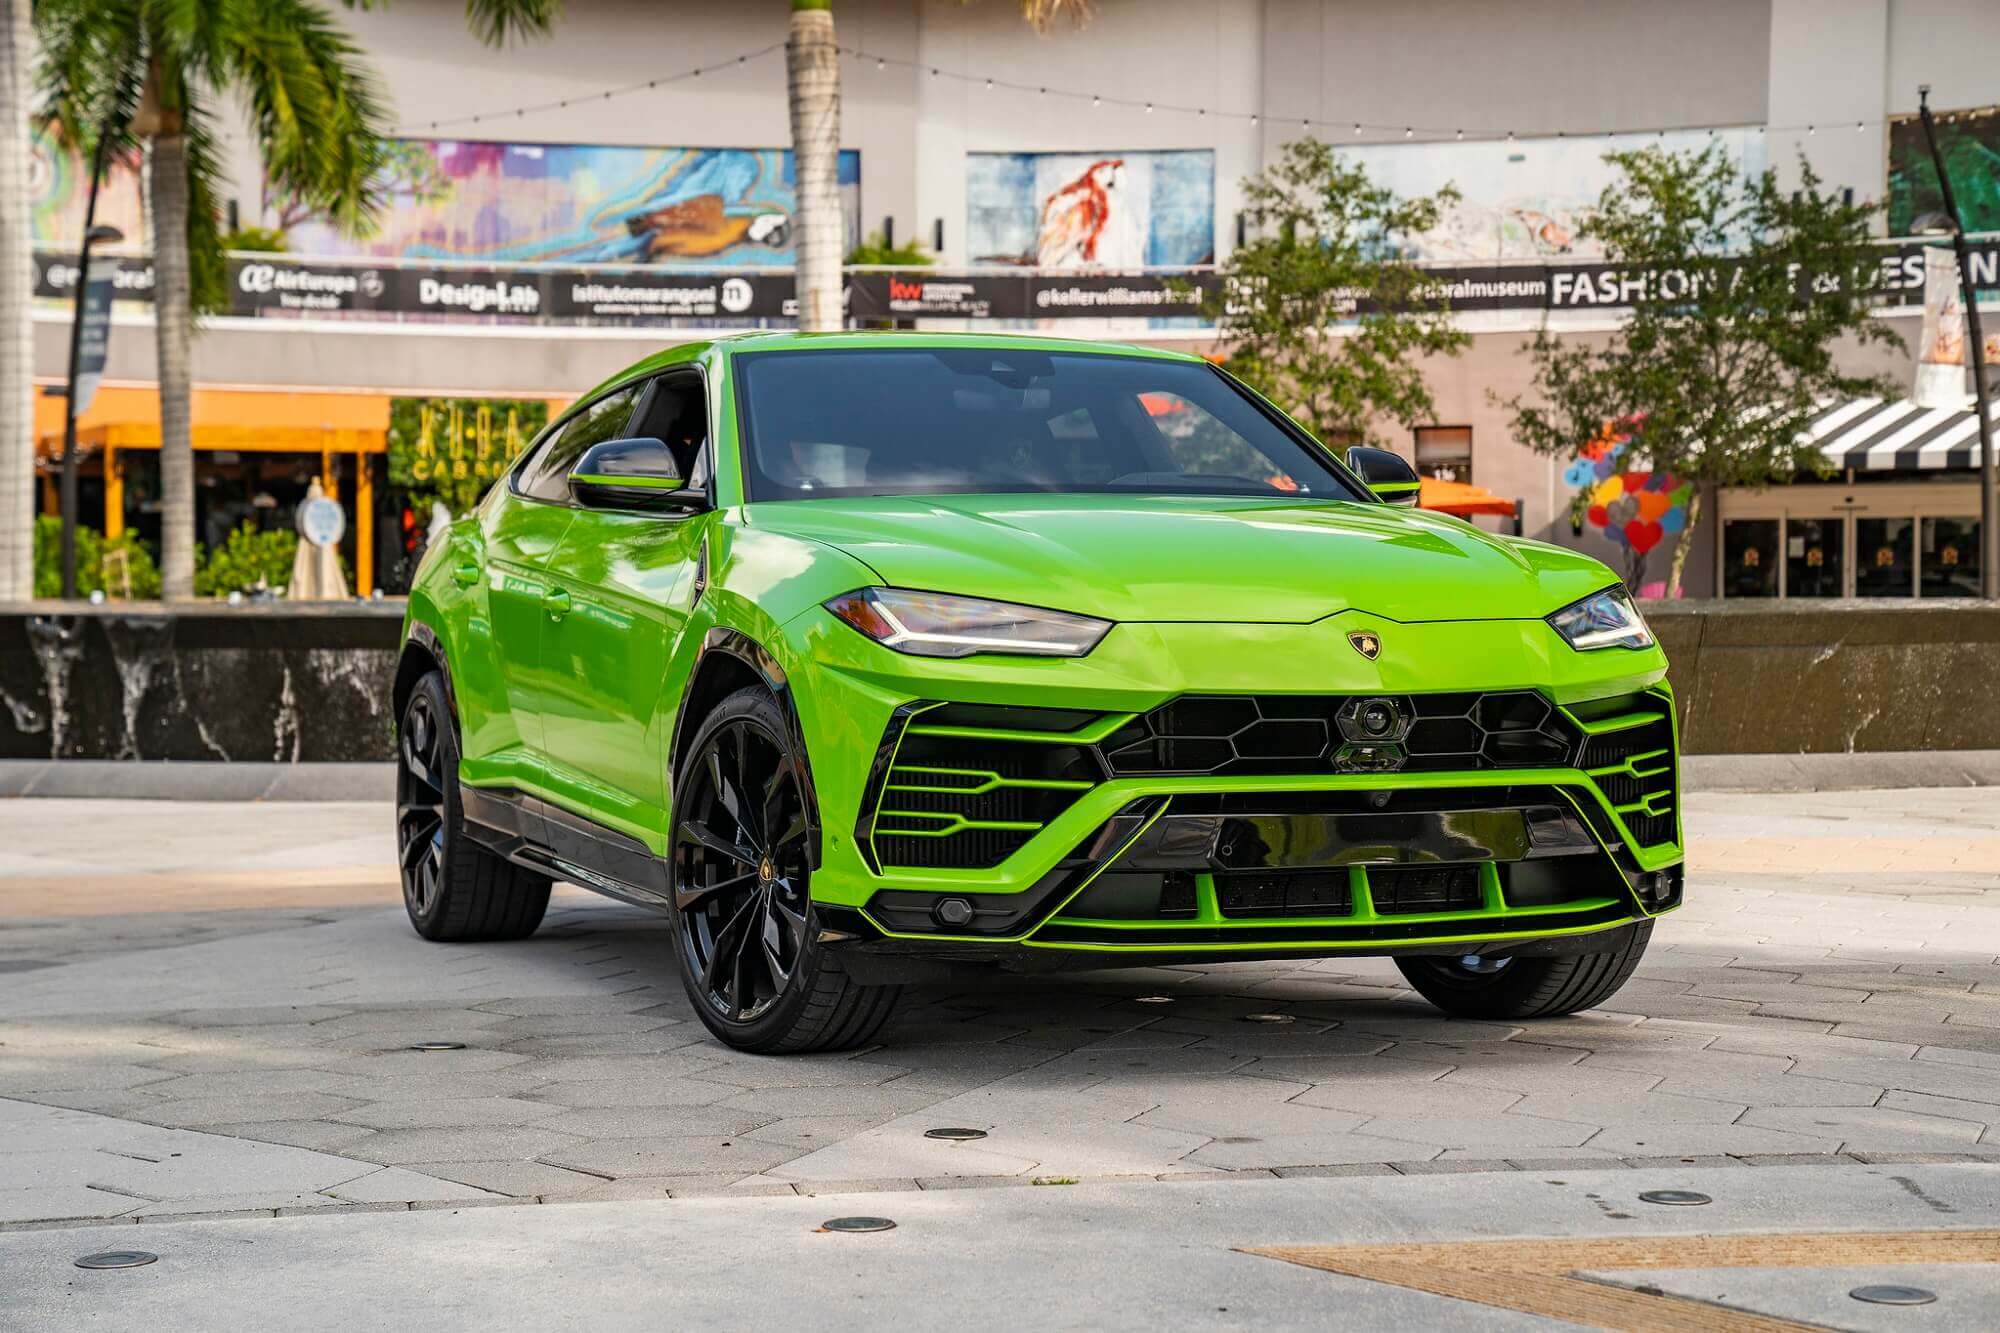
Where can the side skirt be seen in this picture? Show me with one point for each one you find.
(546, 838)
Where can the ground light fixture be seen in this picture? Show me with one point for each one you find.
(954, 1134)
(117, 1259)
(858, 1224)
(437, 1046)
(1893, 1293)
(1676, 1198)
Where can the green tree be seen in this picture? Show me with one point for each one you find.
(153, 73)
(1320, 312)
(121, 568)
(1745, 291)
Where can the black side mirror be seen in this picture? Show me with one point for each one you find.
(1393, 480)
(633, 474)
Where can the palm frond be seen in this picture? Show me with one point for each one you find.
(1044, 14)
(315, 107)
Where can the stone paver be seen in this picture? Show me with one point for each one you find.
(1808, 1002)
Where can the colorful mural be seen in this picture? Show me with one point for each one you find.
(570, 203)
(1523, 200)
(1091, 210)
(1969, 142)
(58, 183)
(1632, 509)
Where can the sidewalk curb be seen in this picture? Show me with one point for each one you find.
(184, 780)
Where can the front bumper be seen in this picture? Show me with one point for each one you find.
(1065, 811)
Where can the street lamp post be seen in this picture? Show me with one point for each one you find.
(92, 233)
(1989, 530)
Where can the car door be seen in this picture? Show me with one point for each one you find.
(630, 580)
(521, 533)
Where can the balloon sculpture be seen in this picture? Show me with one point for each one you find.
(1636, 510)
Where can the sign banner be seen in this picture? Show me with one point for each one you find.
(93, 341)
(279, 284)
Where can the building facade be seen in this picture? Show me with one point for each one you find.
(648, 138)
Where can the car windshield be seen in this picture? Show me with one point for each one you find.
(958, 420)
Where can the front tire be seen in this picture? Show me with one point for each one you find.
(454, 889)
(1508, 988)
(748, 936)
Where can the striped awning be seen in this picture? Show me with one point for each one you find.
(1877, 435)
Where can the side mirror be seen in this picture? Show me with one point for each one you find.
(1394, 481)
(632, 474)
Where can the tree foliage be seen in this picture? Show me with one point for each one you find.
(148, 68)
(1321, 312)
(128, 573)
(1744, 293)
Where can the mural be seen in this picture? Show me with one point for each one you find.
(570, 203)
(1523, 200)
(58, 184)
(1969, 142)
(1091, 210)
(1635, 511)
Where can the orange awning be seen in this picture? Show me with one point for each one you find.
(248, 420)
(1461, 498)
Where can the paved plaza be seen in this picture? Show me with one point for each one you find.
(208, 1012)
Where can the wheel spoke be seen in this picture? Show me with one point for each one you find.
(689, 900)
(745, 810)
(704, 836)
(720, 944)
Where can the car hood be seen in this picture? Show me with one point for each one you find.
(1195, 558)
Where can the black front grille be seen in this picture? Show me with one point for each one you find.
(1277, 734)
(973, 801)
(1402, 890)
(1284, 893)
(1633, 763)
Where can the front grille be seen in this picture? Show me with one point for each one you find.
(1403, 890)
(949, 798)
(1628, 752)
(1276, 734)
(1283, 893)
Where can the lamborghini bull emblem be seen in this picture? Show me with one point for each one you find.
(1368, 644)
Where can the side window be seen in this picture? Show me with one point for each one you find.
(546, 477)
(677, 412)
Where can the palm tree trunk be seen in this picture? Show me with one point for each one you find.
(813, 66)
(17, 435)
(173, 317)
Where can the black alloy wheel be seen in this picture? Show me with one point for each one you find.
(742, 857)
(741, 870)
(420, 806)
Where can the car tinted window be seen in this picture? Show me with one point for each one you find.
(912, 421)
(546, 476)
(677, 412)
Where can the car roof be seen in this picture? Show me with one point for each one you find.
(781, 340)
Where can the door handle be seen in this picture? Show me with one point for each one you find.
(465, 575)
(556, 602)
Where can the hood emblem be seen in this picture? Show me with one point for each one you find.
(1369, 645)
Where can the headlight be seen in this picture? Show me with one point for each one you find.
(935, 624)
(1603, 620)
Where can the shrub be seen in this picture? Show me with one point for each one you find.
(91, 548)
(247, 560)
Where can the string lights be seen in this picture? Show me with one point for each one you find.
(1307, 125)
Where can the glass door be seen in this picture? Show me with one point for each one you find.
(1885, 557)
(1814, 551)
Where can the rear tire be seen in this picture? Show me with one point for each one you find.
(454, 889)
(748, 934)
(1528, 987)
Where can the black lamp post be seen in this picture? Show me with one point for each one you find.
(1989, 530)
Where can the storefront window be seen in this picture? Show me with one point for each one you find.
(1951, 557)
(1750, 557)
(1812, 557)
(1445, 452)
(1883, 566)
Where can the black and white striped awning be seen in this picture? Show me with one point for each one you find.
(1877, 435)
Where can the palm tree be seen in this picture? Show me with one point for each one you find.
(812, 67)
(17, 438)
(149, 72)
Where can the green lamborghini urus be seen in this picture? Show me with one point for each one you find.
(870, 656)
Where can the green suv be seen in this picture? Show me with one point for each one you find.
(866, 657)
